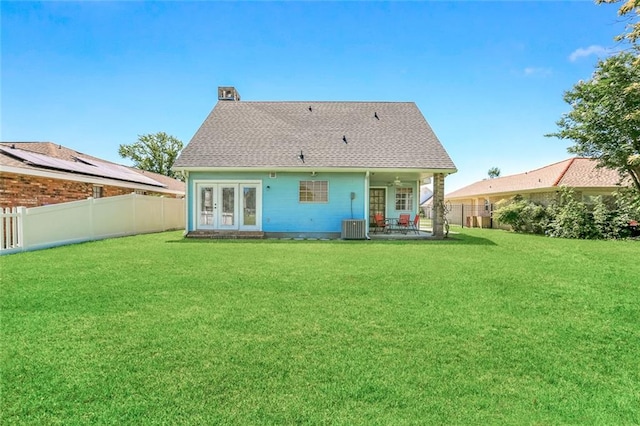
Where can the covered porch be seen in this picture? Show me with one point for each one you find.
(395, 194)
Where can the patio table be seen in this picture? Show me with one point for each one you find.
(393, 225)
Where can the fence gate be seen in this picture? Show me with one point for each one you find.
(11, 228)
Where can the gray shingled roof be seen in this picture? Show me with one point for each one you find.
(240, 134)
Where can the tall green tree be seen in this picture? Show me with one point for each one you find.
(154, 152)
(630, 9)
(493, 172)
(604, 122)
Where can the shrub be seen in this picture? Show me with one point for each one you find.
(522, 215)
(570, 218)
(627, 203)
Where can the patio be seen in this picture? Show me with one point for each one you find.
(423, 234)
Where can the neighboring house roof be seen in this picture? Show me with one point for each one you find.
(30, 157)
(425, 194)
(574, 172)
(239, 134)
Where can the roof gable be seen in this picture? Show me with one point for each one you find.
(327, 134)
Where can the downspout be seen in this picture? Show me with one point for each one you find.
(186, 202)
(417, 199)
(366, 204)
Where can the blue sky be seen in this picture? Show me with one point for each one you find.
(488, 76)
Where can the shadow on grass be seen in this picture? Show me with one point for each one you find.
(451, 239)
(469, 239)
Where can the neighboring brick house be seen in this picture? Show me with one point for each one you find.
(34, 174)
(473, 204)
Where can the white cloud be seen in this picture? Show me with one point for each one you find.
(594, 49)
(537, 71)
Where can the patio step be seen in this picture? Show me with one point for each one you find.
(219, 235)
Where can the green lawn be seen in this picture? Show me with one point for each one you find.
(490, 328)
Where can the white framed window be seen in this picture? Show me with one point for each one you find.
(97, 191)
(404, 198)
(313, 191)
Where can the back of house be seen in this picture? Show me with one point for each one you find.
(302, 168)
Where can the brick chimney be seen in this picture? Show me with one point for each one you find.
(228, 93)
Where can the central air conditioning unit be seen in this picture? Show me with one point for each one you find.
(354, 229)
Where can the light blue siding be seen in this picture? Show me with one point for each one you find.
(281, 209)
(283, 212)
(391, 211)
(391, 201)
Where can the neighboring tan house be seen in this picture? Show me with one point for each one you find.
(473, 204)
(34, 174)
(303, 169)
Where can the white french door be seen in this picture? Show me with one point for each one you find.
(230, 206)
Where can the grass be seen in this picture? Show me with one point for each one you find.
(491, 328)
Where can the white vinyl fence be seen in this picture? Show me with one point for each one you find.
(24, 229)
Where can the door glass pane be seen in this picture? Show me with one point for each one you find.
(376, 203)
(249, 206)
(228, 206)
(206, 206)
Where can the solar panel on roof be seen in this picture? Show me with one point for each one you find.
(87, 167)
(124, 173)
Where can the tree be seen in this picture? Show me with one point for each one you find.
(633, 28)
(493, 172)
(153, 152)
(604, 122)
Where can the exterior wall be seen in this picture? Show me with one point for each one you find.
(544, 198)
(33, 191)
(391, 202)
(282, 212)
(391, 199)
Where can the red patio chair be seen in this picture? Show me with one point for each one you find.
(403, 223)
(380, 223)
(415, 225)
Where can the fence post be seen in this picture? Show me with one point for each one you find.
(162, 203)
(92, 231)
(133, 212)
(3, 228)
(19, 223)
(4, 231)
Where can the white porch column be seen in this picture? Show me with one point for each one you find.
(438, 205)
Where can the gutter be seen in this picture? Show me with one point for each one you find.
(366, 204)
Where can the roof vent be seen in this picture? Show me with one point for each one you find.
(228, 93)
